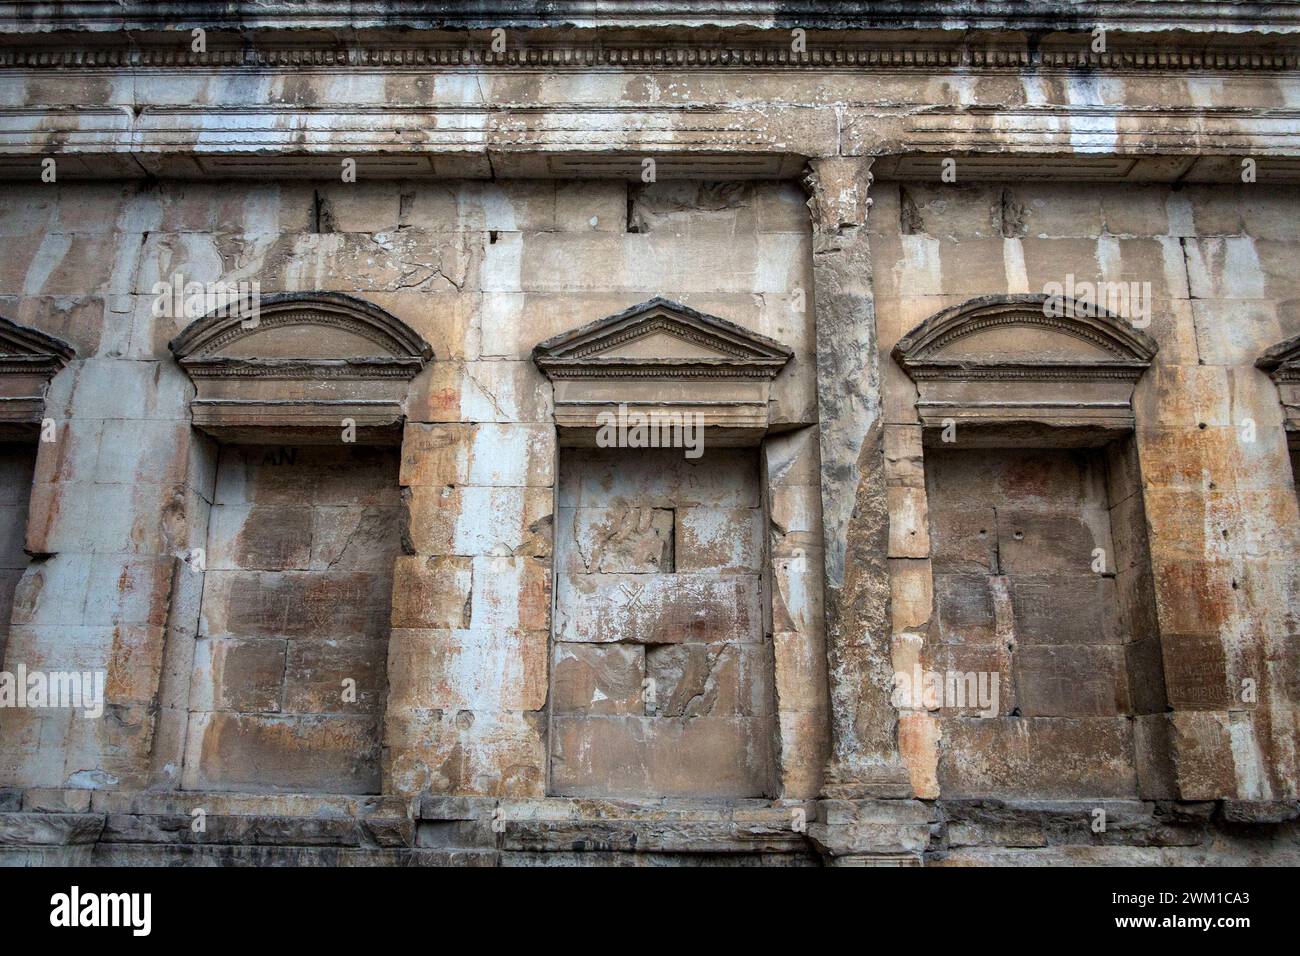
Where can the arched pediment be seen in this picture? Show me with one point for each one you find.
(657, 358)
(1026, 359)
(1032, 329)
(29, 358)
(321, 327)
(295, 366)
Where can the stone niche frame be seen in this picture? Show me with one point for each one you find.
(1030, 362)
(1282, 363)
(28, 360)
(300, 367)
(663, 357)
(293, 376)
(1009, 373)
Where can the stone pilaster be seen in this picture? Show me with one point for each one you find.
(864, 760)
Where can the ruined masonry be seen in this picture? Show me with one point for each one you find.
(650, 433)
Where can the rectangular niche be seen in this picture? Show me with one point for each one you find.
(661, 671)
(1042, 577)
(17, 466)
(296, 601)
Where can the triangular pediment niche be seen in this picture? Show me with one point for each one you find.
(663, 358)
(661, 338)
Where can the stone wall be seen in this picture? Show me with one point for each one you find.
(501, 713)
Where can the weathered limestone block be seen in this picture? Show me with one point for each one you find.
(301, 604)
(617, 540)
(1071, 681)
(800, 674)
(918, 742)
(797, 596)
(473, 521)
(239, 674)
(49, 829)
(394, 261)
(703, 680)
(498, 391)
(601, 478)
(658, 608)
(965, 607)
(1056, 823)
(1201, 748)
(326, 677)
(965, 681)
(479, 669)
(725, 541)
(488, 753)
(872, 832)
(54, 801)
(1196, 674)
(634, 756)
(332, 754)
(511, 593)
(796, 550)
(911, 594)
(599, 679)
(486, 455)
(432, 591)
(1047, 757)
(240, 830)
(1075, 608)
(260, 538)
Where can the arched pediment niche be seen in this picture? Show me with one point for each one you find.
(1026, 360)
(28, 360)
(661, 357)
(299, 365)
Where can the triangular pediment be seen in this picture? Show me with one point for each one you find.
(21, 346)
(1024, 331)
(660, 338)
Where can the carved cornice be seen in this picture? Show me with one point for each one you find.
(1036, 15)
(593, 54)
(347, 370)
(1012, 371)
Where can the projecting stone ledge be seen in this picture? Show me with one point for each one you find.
(872, 832)
(323, 830)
